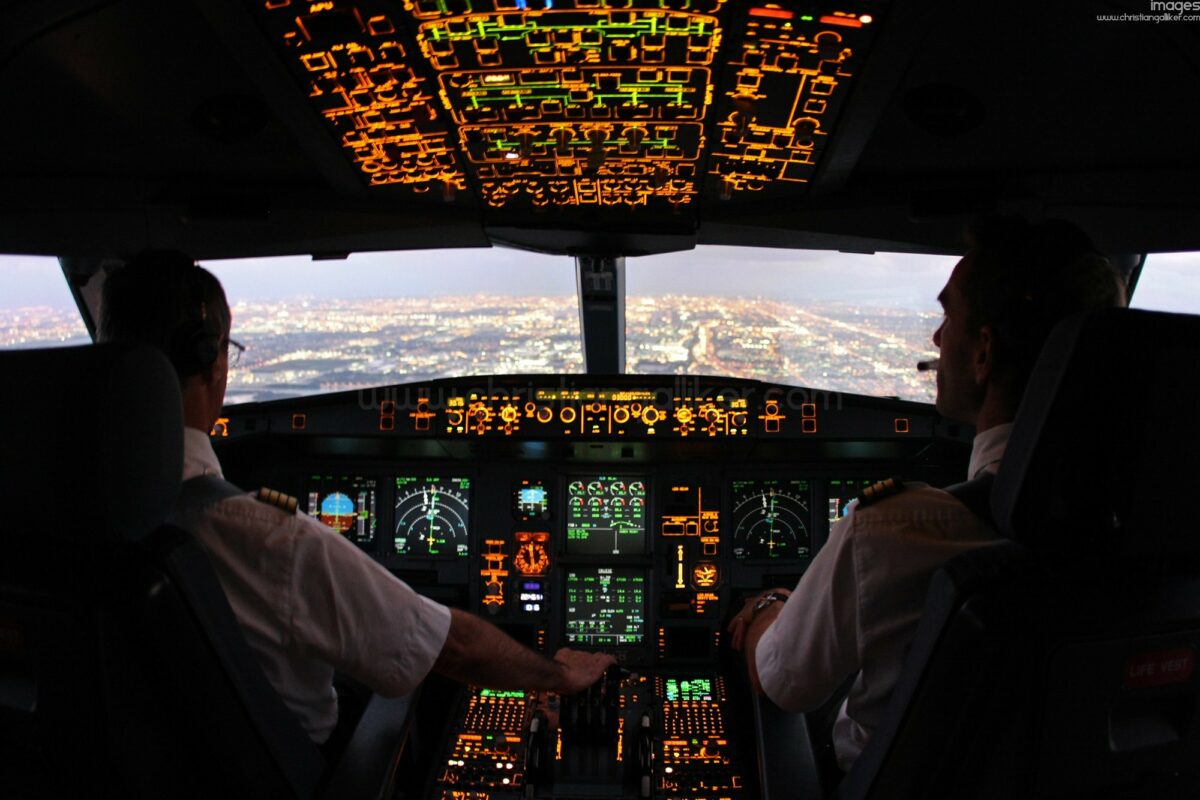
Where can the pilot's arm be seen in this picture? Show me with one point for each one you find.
(354, 614)
(478, 652)
(799, 650)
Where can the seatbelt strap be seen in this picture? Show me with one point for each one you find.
(976, 495)
(203, 491)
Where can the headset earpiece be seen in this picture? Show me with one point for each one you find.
(197, 342)
(206, 344)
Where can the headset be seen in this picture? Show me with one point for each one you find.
(196, 343)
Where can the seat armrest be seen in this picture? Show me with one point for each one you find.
(787, 760)
(368, 763)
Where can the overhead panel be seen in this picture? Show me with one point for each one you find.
(785, 78)
(580, 111)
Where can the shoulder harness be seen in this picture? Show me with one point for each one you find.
(880, 491)
(284, 502)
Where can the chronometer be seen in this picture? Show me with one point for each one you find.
(766, 600)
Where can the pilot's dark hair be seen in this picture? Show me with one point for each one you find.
(163, 299)
(1026, 277)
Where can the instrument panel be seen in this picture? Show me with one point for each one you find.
(638, 540)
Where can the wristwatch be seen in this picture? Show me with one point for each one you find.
(766, 600)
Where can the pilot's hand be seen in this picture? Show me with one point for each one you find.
(740, 624)
(580, 669)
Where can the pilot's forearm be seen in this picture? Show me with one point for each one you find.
(480, 653)
(754, 632)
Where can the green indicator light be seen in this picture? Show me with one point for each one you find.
(806, 18)
(511, 694)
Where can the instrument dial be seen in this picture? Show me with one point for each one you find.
(771, 519)
(432, 517)
(531, 500)
(532, 559)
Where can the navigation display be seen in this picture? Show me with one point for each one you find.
(771, 519)
(432, 517)
(606, 606)
(606, 515)
(346, 504)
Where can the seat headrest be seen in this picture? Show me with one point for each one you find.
(1099, 451)
(93, 442)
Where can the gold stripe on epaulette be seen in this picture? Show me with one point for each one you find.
(284, 502)
(878, 491)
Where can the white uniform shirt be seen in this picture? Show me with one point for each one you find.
(310, 602)
(856, 608)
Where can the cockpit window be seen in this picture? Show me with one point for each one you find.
(1169, 282)
(36, 307)
(837, 321)
(312, 327)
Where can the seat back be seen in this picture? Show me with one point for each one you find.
(1062, 662)
(122, 668)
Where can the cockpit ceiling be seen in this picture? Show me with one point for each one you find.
(271, 127)
(570, 108)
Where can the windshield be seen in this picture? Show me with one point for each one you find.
(379, 318)
(36, 306)
(1168, 283)
(835, 321)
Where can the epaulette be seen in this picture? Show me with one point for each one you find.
(284, 502)
(880, 491)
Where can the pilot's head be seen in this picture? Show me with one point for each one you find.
(161, 298)
(1016, 282)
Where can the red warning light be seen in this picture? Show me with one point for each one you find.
(771, 13)
(845, 22)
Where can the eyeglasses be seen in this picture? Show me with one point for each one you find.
(234, 352)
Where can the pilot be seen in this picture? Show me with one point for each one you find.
(308, 600)
(854, 613)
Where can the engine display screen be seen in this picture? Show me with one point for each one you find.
(606, 515)
(433, 516)
(346, 504)
(605, 606)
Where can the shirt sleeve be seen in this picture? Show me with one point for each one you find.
(812, 646)
(349, 611)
